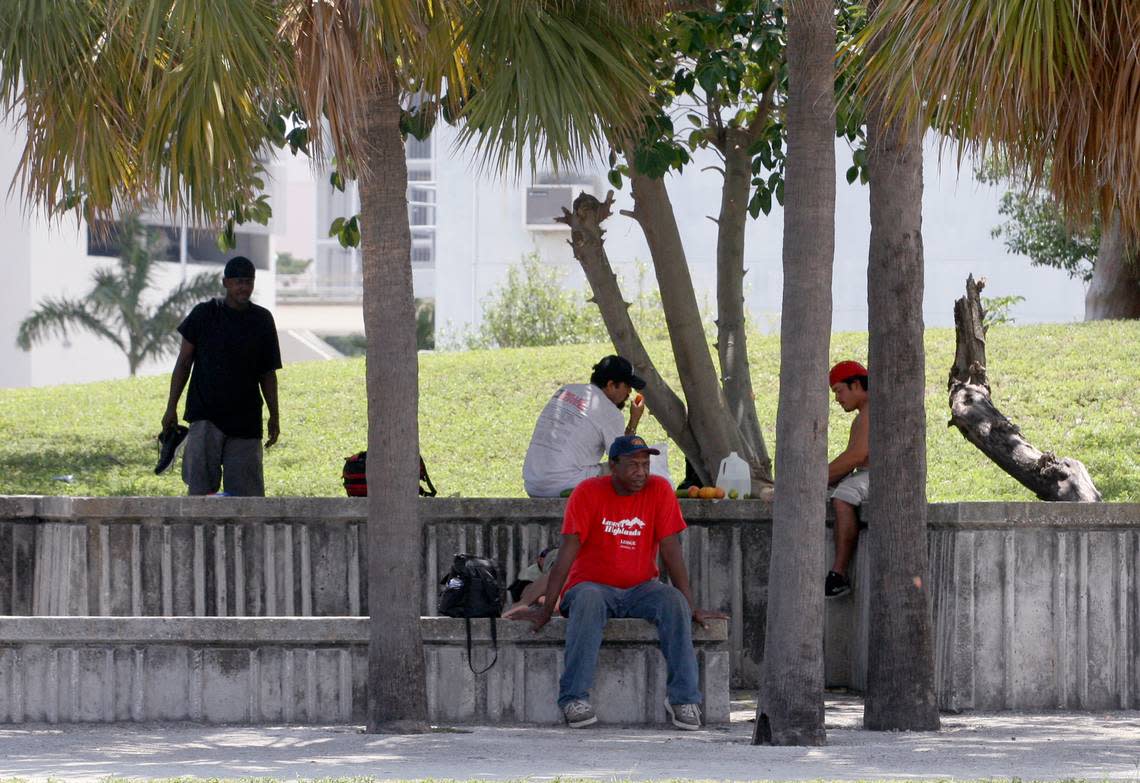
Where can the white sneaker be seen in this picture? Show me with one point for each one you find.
(579, 714)
(684, 716)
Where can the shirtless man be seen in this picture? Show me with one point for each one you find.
(848, 473)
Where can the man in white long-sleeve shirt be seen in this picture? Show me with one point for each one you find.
(576, 427)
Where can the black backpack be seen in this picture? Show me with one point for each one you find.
(474, 587)
(355, 477)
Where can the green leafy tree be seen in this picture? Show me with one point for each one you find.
(425, 324)
(1036, 225)
(289, 264)
(720, 84)
(532, 308)
(115, 308)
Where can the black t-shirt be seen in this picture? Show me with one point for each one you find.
(232, 350)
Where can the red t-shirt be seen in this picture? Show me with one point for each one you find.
(619, 533)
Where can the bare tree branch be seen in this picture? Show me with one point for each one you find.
(973, 412)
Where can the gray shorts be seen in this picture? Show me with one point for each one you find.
(209, 453)
(853, 488)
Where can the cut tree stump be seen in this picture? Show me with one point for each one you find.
(973, 412)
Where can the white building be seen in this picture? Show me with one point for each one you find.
(957, 217)
(468, 229)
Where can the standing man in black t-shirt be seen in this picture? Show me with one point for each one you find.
(231, 344)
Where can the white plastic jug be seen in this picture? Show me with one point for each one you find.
(659, 463)
(734, 475)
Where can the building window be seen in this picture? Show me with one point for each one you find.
(179, 243)
(338, 272)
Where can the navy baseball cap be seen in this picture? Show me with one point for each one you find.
(239, 266)
(629, 444)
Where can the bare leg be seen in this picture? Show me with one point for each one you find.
(846, 535)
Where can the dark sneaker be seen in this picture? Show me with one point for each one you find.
(579, 714)
(169, 444)
(684, 716)
(836, 585)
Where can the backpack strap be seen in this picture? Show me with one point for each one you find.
(494, 646)
(430, 491)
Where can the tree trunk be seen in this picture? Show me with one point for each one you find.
(397, 692)
(900, 665)
(790, 706)
(1114, 291)
(732, 340)
(586, 241)
(980, 422)
(709, 418)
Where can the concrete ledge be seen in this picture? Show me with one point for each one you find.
(1034, 603)
(236, 557)
(297, 509)
(314, 670)
(308, 630)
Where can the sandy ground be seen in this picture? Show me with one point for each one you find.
(1038, 746)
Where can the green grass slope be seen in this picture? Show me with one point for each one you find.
(1073, 390)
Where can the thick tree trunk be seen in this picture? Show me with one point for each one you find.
(790, 706)
(1114, 291)
(709, 419)
(980, 422)
(900, 666)
(732, 340)
(397, 692)
(586, 241)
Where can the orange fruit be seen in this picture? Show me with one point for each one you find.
(719, 493)
(694, 492)
(708, 493)
(639, 399)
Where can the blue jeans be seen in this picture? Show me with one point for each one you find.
(589, 605)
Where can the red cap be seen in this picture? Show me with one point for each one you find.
(845, 371)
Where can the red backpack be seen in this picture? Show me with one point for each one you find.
(356, 477)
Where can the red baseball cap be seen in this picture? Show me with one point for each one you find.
(845, 371)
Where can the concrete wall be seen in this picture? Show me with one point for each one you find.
(1035, 607)
(234, 557)
(314, 670)
(304, 556)
(1034, 603)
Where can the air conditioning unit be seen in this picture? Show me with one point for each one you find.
(543, 203)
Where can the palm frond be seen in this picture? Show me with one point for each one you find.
(56, 317)
(108, 291)
(553, 79)
(327, 70)
(140, 102)
(160, 335)
(1045, 80)
(341, 47)
(171, 310)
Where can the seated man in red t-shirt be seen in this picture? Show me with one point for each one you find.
(607, 567)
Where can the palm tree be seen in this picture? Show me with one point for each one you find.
(172, 102)
(1050, 82)
(114, 309)
(790, 706)
(900, 647)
